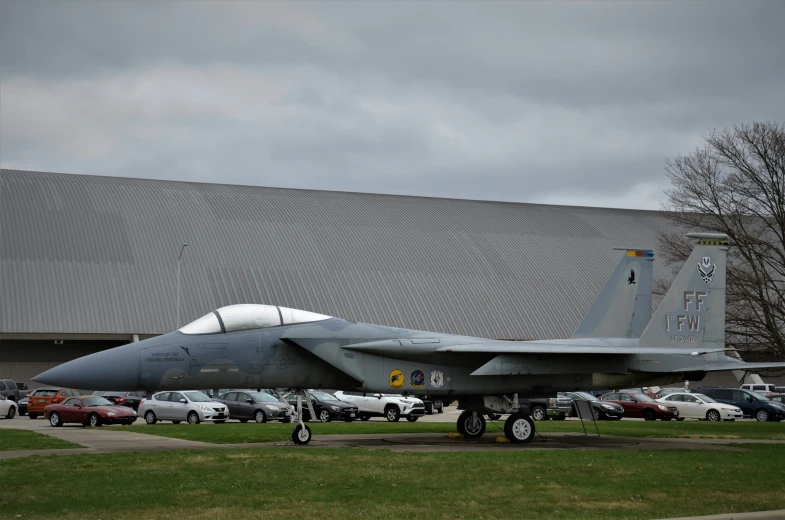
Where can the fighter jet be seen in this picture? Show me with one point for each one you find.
(616, 346)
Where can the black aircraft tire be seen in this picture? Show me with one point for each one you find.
(468, 429)
(301, 435)
(519, 428)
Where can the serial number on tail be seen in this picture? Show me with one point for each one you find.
(682, 339)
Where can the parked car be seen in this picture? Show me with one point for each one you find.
(699, 406)
(433, 404)
(22, 404)
(390, 406)
(187, 405)
(9, 390)
(8, 408)
(762, 389)
(667, 391)
(601, 410)
(43, 397)
(751, 404)
(556, 408)
(641, 405)
(23, 390)
(88, 410)
(326, 407)
(645, 390)
(778, 398)
(129, 399)
(259, 406)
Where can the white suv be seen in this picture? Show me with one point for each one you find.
(189, 405)
(391, 406)
(763, 389)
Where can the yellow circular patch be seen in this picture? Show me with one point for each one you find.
(396, 378)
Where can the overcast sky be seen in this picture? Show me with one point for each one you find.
(566, 103)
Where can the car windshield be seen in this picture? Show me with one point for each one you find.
(704, 398)
(585, 396)
(643, 398)
(197, 397)
(323, 396)
(97, 401)
(759, 397)
(261, 397)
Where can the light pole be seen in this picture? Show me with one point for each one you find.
(179, 257)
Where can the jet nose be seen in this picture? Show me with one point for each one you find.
(114, 369)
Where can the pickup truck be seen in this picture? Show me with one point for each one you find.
(556, 408)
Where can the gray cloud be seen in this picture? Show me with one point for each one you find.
(543, 102)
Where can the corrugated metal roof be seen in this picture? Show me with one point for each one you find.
(98, 255)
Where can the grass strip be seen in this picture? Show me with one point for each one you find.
(266, 483)
(15, 440)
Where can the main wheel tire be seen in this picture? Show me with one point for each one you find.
(411, 419)
(11, 413)
(392, 413)
(301, 435)
(324, 416)
(176, 422)
(55, 420)
(519, 428)
(93, 420)
(713, 416)
(649, 414)
(259, 416)
(243, 421)
(539, 413)
(364, 417)
(150, 418)
(471, 426)
(762, 415)
(193, 418)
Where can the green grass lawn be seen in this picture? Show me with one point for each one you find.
(352, 484)
(252, 432)
(14, 440)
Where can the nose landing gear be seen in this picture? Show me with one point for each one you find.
(302, 433)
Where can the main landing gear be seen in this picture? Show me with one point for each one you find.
(518, 428)
(302, 433)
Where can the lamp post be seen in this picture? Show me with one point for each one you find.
(179, 257)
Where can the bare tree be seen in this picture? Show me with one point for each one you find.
(735, 184)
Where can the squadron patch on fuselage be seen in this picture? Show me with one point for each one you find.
(418, 379)
(437, 378)
(396, 378)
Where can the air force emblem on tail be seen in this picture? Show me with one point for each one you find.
(706, 269)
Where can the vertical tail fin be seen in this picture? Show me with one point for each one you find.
(623, 307)
(693, 311)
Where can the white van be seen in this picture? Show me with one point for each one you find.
(763, 389)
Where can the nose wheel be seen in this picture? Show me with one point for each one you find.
(302, 433)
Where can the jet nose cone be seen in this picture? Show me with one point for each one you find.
(114, 369)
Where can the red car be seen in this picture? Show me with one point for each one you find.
(641, 405)
(89, 411)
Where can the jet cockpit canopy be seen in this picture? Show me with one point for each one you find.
(249, 316)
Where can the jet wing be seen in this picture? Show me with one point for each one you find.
(553, 348)
(718, 367)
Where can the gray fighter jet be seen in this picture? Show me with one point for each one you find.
(249, 346)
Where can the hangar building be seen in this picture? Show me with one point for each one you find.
(90, 262)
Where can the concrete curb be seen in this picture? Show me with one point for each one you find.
(757, 515)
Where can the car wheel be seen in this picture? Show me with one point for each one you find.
(518, 428)
(411, 419)
(762, 415)
(471, 426)
(649, 414)
(150, 418)
(243, 420)
(193, 418)
(429, 408)
(54, 419)
(176, 422)
(539, 413)
(364, 417)
(259, 416)
(392, 413)
(597, 414)
(11, 413)
(713, 415)
(301, 435)
(94, 420)
(324, 416)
